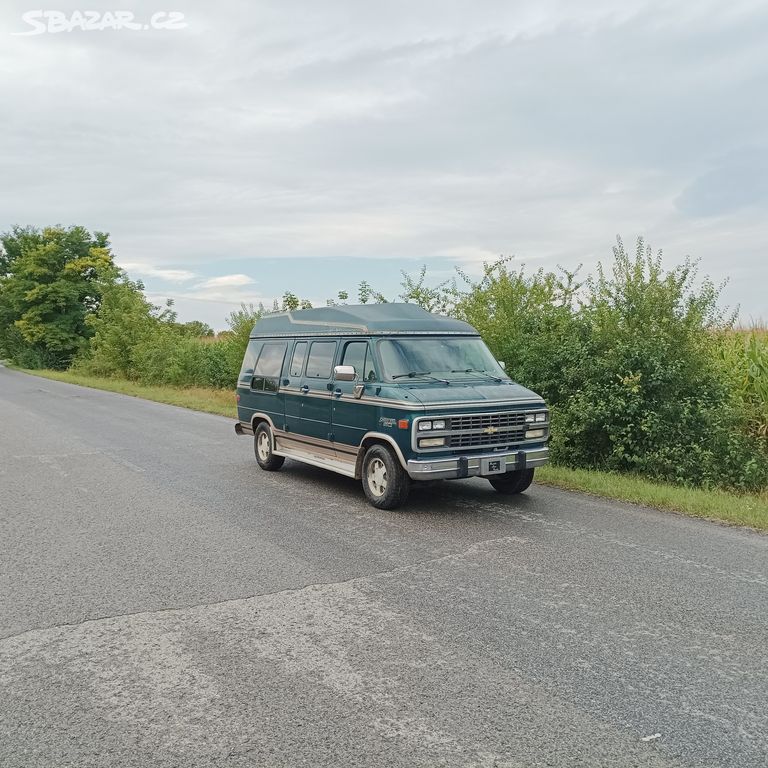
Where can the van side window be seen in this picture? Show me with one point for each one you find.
(321, 355)
(299, 356)
(266, 374)
(358, 354)
(249, 360)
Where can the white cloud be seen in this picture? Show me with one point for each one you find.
(223, 290)
(146, 270)
(225, 281)
(436, 132)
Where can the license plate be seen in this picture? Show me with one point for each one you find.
(492, 466)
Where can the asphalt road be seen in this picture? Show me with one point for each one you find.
(163, 602)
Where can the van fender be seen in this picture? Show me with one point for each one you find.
(257, 418)
(371, 438)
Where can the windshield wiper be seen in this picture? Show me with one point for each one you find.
(419, 375)
(482, 373)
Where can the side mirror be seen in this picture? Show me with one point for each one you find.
(344, 373)
(502, 364)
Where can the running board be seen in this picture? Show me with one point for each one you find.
(335, 465)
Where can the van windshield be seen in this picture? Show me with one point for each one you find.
(449, 357)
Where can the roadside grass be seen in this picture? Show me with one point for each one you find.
(218, 401)
(749, 510)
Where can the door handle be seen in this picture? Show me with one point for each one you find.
(304, 389)
(337, 392)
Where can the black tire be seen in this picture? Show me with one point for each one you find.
(262, 447)
(385, 482)
(512, 482)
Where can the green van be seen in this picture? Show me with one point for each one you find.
(388, 394)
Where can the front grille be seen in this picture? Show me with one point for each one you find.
(478, 430)
(510, 420)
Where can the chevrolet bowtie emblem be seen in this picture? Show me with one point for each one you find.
(490, 431)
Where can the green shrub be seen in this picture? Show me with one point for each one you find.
(162, 357)
(629, 364)
(216, 369)
(123, 324)
(135, 340)
(529, 322)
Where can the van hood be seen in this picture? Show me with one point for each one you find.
(471, 393)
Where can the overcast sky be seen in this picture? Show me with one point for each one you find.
(311, 145)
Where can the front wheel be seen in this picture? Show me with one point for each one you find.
(385, 482)
(262, 445)
(512, 482)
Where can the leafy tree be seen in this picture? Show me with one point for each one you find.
(196, 329)
(241, 321)
(51, 281)
(124, 324)
(440, 299)
(291, 302)
(366, 293)
(529, 321)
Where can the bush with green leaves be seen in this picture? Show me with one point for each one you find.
(529, 322)
(123, 324)
(133, 339)
(629, 363)
(654, 399)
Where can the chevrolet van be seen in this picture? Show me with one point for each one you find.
(388, 394)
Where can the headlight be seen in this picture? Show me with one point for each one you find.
(530, 418)
(439, 424)
(541, 416)
(531, 433)
(431, 442)
(424, 426)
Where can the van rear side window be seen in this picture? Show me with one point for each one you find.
(321, 356)
(249, 360)
(266, 374)
(299, 356)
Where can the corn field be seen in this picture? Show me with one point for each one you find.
(745, 355)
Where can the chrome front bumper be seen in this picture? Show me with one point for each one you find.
(471, 466)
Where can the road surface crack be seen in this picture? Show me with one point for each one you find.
(475, 547)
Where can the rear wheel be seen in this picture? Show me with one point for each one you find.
(262, 445)
(385, 482)
(512, 482)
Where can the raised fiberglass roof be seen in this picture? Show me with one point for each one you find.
(374, 319)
